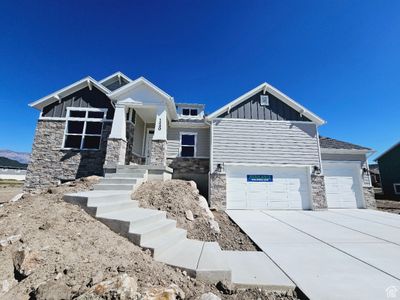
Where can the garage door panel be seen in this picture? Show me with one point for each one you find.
(342, 184)
(289, 188)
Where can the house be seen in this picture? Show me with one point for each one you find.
(389, 168)
(261, 150)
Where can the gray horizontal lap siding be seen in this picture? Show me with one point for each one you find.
(202, 146)
(251, 109)
(83, 98)
(264, 142)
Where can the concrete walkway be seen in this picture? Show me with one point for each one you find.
(334, 254)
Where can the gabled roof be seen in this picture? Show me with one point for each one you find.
(76, 86)
(265, 87)
(330, 143)
(116, 74)
(388, 150)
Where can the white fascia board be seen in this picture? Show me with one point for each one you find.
(141, 80)
(115, 75)
(345, 151)
(188, 125)
(281, 96)
(76, 86)
(387, 151)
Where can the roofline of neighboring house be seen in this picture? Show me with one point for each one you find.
(76, 86)
(387, 151)
(265, 87)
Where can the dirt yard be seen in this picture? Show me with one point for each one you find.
(7, 191)
(391, 206)
(177, 198)
(70, 255)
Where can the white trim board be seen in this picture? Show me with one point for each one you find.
(265, 87)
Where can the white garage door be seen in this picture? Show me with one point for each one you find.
(343, 184)
(267, 187)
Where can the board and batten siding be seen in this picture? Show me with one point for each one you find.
(264, 142)
(202, 145)
(252, 109)
(83, 98)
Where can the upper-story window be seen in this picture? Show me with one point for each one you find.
(190, 112)
(131, 115)
(84, 128)
(188, 144)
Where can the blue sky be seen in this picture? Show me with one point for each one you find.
(340, 59)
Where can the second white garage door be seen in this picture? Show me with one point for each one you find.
(250, 187)
(343, 184)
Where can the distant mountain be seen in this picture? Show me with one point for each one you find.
(22, 157)
(10, 163)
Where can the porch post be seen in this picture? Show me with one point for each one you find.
(158, 155)
(116, 143)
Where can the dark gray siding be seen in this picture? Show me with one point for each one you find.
(389, 168)
(115, 84)
(251, 109)
(83, 98)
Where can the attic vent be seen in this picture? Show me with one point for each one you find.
(264, 100)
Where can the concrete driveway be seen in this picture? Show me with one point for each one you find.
(333, 254)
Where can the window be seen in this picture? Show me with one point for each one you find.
(188, 144)
(396, 187)
(131, 115)
(189, 112)
(84, 128)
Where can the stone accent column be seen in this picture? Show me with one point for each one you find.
(217, 194)
(318, 192)
(369, 197)
(116, 153)
(158, 154)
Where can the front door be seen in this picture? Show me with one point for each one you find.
(149, 138)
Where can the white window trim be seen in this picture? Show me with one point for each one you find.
(85, 120)
(195, 144)
(394, 188)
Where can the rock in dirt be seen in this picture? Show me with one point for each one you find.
(25, 262)
(122, 287)
(189, 215)
(209, 296)
(53, 290)
(8, 241)
(225, 287)
(214, 226)
(159, 293)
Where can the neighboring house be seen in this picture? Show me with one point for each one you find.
(389, 168)
(262, 150)
(375, 175)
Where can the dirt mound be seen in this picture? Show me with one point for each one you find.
(177, 198)
(54, 250)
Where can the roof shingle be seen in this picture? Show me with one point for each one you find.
(329, 143)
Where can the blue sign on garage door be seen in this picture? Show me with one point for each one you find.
(259, 178)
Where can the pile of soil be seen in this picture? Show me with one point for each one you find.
(75, 250)
(392, 206)
(176, 197)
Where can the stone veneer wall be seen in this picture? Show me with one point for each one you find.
(116, 153)
(158, 154)
(217, 194)
(189, 165)
(50, 164)
(318, 192)
(369, 197)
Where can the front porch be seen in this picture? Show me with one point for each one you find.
(138, 139)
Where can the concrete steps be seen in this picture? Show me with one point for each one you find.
(110, 202)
